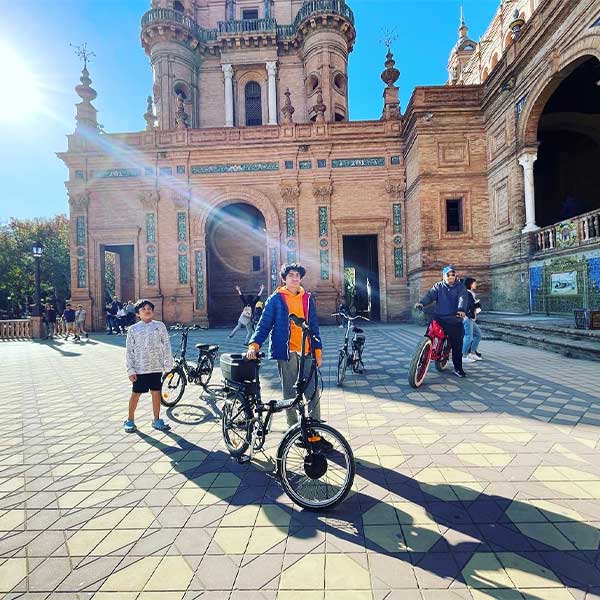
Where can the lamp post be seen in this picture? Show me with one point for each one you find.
(37, 251)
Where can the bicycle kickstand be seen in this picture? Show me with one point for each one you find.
(246, 458)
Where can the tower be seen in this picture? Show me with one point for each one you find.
(461, 54)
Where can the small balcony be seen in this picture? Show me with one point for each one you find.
(576, 232)
(247, 26)
(168, 16)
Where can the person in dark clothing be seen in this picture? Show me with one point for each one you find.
(69, 319)
(451, 301)
(50, 314)
(250, 321)
(249, 299)
(112, 321)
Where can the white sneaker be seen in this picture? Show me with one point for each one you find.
(474, 357)
(468, 359)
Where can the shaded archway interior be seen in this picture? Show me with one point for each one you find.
(567, 173)
(361, 275)
(236, 250)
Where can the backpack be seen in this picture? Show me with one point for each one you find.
(247, 312)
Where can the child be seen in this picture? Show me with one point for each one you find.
(244, 320)
(80, 322)
(69, 319)
(148, 356)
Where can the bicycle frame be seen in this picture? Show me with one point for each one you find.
(437, 335)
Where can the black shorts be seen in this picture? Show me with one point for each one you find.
(146, 382)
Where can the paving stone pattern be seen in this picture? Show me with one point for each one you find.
(487, 487)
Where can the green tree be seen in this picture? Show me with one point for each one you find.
(17, 279)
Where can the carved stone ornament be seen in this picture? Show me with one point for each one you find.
(394, 188)
(180, 201)
(79, 201)
(322, 192)
(196, 226)
(554, 61)
(149, 199)
(290, 194)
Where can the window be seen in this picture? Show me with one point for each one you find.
(253, 104)
(250, 13)
(454, 217)
(256, 263)
(178, 6)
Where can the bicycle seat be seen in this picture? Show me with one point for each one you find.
(358, 330)
(207, 347)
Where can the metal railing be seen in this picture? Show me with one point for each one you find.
(168, 15)
(15, 329)
(247, 25)
(578, 231)
(338, 7)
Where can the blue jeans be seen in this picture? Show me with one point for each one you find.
(472, 336)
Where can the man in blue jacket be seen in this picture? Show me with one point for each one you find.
(286, 338)
(451, 299)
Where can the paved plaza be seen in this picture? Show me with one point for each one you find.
(487, 487)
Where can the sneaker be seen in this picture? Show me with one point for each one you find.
(474, 357)
(129, 426)
(468, 359)
(460, 374)
(479, 354)
(160, 425)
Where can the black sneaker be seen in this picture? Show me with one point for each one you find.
(478, 354)
(460, 374)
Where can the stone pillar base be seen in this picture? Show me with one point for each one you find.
(37, 328)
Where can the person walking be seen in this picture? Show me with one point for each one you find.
(148, 356)
(286, 338)
(472, 332)
(451, 300)
(51, 317)
(80, 315)
(69, 319)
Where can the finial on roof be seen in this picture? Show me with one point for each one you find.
(181, 117)
(390, 74)
(86, 113)
(463, 30)
(288, 110)
(149, 116)
(320, 107)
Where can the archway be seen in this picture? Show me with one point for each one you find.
(236, 254)
(566, 174)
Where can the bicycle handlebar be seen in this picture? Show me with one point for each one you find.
(181, 327)
(348, 317)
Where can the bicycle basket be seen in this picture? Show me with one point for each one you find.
(236, 367)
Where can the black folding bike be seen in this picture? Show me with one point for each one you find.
(174, 382)
(351, 352)
(314, 461)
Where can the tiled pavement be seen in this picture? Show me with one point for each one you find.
(487, 487)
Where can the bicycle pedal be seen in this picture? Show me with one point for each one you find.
(242, 460)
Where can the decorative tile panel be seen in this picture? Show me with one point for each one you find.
(165, 171)
(181, 226)
(117, 173)
(291, 256)
(323, 243)
(324, 261)
(151, 249)
(305, 164)
(151, 270)
(535, 285)
(150, 227)
(290, 222)
(395, 160)
(289, 164)
(398, 263)
(79, 175)
(323, 221)
(398, 240)
(80, 252)
(80, 230)
(149, 171)
(397, 218)
(321, 163)
(234, 168)
(342, 163)
(81, 273)
(273, 269)
(199, 279)
(519, 106)
(183, 268)
(180, 169)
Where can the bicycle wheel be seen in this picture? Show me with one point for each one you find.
(441, 364)
(341, 368)
(172, 386)
(205, 369)
(236, 424)
(319, 480)
(420, 363)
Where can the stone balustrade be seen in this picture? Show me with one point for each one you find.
(578, 231)
(247, 26)
(15, 329)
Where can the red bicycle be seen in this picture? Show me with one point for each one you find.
(434, 346)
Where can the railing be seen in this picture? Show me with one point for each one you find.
(15, 329)
(247, 25)
(578, 231)
(168, 15)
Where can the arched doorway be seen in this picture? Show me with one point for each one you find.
(566, 173)
(236, 251)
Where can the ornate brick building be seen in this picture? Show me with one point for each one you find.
(249, 159)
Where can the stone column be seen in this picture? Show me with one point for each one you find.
(272, 71)
(228, 72)
(527, 161)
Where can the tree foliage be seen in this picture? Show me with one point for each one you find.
(17, 269)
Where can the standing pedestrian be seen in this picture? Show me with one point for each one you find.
(451, 300)
(51, 316)
(286, 338)
(472, 331)
(69, 320)
(80, 315)
(244, 320)
(130, 310)
(148, 356)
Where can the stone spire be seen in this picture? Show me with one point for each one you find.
(181, 117)
(320, 107)
(149, 116)
(463, 30)
(288, 110)
(86, 116)
(391, 102)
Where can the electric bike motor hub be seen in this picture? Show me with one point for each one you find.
(315, 465)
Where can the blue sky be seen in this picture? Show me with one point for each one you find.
(39, 32)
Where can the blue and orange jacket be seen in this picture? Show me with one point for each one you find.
(275, 321)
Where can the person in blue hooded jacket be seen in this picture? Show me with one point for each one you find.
(451, 298)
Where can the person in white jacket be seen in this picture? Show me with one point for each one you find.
(148, 356)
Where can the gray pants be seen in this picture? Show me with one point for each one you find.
(288, 372)
(249, 331)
